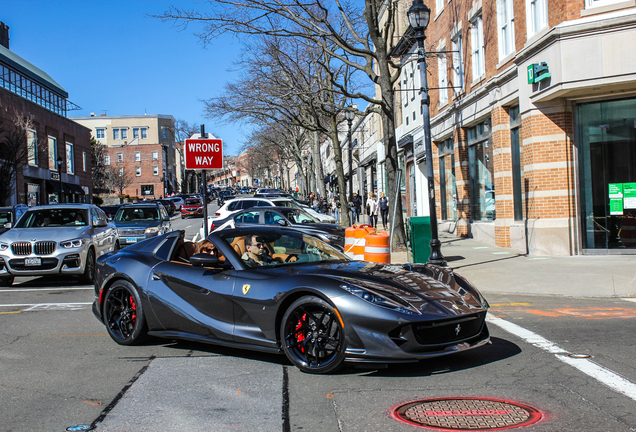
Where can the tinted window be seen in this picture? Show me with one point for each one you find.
(262, 203)
(249, 204)
(250, 217)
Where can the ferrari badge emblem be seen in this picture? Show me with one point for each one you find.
(246, 288)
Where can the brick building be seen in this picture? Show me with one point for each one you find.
(533, 122)
(29, 94)
(140, 146)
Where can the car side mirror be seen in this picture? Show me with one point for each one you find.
(206, 260)
(282, 222)
(99, 223)
(166, 219)
(8, 225)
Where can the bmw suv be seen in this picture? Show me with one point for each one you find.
(56, 239)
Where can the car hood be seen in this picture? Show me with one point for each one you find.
(435, 292)
(43, 233)
(137, 225)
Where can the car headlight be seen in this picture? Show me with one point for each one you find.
(152, 230)
(381, 299)
(4, 246)
(75, 243)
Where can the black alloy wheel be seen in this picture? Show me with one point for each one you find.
(89, 270)
(123, 314)
(312, 336)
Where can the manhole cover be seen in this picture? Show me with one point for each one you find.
(467, 414)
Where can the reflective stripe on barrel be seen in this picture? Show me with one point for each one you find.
(349, 241)
(377, 248)
(360, 233)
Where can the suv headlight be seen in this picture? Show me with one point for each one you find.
(75, 243)
(381, 299)
(152, 230)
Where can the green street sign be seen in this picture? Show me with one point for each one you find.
(537, 72)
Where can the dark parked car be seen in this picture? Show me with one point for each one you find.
(10, 215)
(111, 210)
(308, 301)
(283, 216)
(137, 222)
(171, 208)
(223, 196)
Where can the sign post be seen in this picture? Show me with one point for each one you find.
(204, 154)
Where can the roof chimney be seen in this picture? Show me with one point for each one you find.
(4, 35)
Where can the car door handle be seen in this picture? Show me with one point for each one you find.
(155, 276)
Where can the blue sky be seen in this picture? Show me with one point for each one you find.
(111, 58)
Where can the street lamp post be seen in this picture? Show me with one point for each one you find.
(419, 15)
(60, 161)
(349, 116)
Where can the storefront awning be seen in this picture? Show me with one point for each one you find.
(67, 188)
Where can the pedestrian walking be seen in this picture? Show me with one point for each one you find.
(357, 207)
(372, 209)
(383, 202)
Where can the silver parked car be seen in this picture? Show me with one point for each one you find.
(57, 239)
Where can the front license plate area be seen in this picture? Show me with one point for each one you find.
(131, 240)
(32, 262)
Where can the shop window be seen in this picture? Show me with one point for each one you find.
(480, 169)
(517, 168)
(448, 186)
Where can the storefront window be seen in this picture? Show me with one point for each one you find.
(480, 168)
(608, 174)
(517, 168)
(448, 187)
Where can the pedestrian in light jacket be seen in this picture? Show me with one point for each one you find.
(372, 209)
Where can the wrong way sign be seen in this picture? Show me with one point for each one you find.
(203, 154)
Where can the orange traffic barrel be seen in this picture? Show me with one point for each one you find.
(349, 240)
(377, 247)
(359, 234)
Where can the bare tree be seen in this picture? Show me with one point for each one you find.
(119, 178)
(98, 173)
(362, 40)
(18, 146)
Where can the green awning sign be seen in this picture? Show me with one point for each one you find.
(616, 199)
(538, 72)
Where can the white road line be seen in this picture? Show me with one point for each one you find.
(44, 304)
(92, 288)
(587, 366)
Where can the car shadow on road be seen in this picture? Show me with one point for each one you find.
(498, 350)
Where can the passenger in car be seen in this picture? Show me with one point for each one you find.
(256, 253)
(206, 246)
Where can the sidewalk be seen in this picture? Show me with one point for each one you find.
(500, 270)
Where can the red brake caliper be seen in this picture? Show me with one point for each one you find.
(134, 309)
(300, 335)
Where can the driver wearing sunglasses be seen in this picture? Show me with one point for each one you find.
(257, 254)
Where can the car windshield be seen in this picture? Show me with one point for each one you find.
(299, 216)
(131, 214)
(58, 217)
(258, 248)
(193, 201)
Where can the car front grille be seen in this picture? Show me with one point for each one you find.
(132, 232)
(27, 248)
(44, 247)
(449, 331)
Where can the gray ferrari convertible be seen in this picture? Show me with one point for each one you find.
(275, 289)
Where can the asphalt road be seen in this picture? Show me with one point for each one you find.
(59, 369)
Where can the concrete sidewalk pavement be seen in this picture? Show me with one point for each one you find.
(501, 270)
